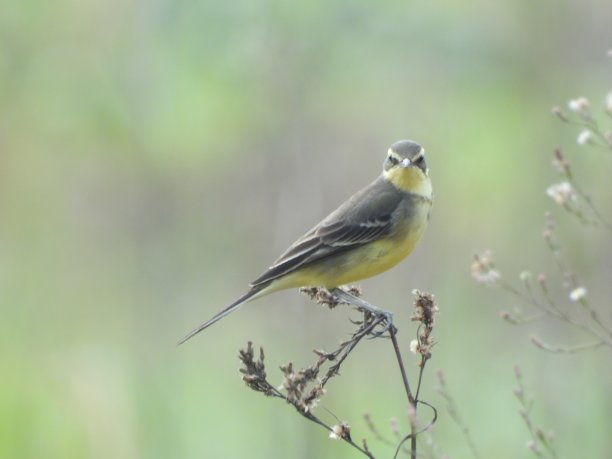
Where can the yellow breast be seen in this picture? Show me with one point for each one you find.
(363, 262)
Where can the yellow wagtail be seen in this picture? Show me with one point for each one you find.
(371, 232)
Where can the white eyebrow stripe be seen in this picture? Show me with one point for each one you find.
(394, 154)
(419, 155)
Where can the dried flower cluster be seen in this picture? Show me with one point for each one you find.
(340, 431)
(569, 195)
(254, 371)
(483, 269)
(295, 384)
(425, 310)
(324, 297)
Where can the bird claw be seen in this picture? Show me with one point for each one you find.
(386, 323)
(372, 314)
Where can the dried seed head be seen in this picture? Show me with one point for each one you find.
(508, 317)
(425, 308)
(578, 294)
(585, 137)
(537, 342)
(254, 371)
(580, 105)
(311, 401)
(556, 110)
(562, 193)
(341, 431)
(560, 163)
(483, 269)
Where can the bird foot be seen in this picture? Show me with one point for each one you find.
(378, 315)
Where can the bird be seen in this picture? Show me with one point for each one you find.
(371, 232)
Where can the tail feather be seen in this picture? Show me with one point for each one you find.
(221, 314)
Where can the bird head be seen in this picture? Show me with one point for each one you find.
(405, 165)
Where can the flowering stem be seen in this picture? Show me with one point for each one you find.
(600, 218)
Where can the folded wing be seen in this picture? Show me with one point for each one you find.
(361, 220)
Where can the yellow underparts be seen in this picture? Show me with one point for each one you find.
(360, 263)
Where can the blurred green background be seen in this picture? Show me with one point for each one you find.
(155, 156)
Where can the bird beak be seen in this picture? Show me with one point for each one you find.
(405, 163)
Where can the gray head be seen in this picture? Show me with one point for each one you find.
(405, 153)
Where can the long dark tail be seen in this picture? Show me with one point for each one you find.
(224, 312)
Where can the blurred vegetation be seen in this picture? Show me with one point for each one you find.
(155, 156)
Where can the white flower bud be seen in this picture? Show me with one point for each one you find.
(585, 137)
(561, 193)
(578, 294)
(608, 102)
(579, 105)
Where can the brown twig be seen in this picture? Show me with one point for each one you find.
(255, 378)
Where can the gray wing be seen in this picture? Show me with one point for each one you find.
(365, 217)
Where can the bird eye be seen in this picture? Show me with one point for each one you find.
(419, 160)
(392, 159)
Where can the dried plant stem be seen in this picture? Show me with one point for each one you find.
(425, 316)
(411, 400)
(346, 348)
(330, 429)
(565, 349)
(347, 297)
(600, 218)
(552, 310)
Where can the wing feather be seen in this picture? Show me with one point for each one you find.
(364, 218)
